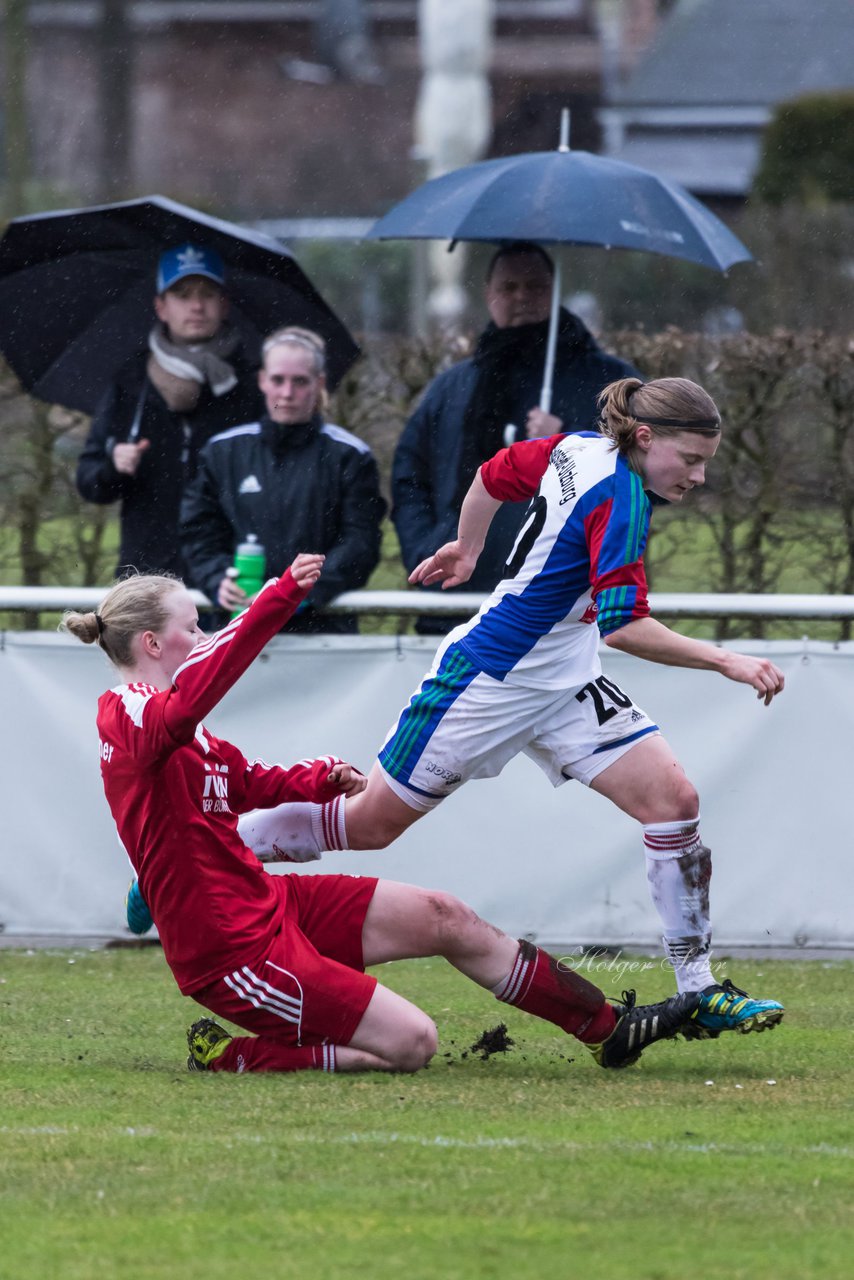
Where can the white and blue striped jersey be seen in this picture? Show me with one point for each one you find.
(576, 571)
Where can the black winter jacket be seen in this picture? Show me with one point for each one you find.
(151, 498)
(427, 477)
(312, 488)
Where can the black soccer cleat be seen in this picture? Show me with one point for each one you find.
(640, 1025)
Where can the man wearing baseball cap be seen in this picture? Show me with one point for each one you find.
(193, 381)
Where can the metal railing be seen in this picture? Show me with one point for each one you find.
(406, 603)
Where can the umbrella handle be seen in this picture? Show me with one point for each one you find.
(551, 345)
(136, 424)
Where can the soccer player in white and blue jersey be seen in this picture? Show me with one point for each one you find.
(524, 674)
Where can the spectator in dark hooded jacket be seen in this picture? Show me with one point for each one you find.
(476, 407)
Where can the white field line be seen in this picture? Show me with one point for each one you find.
(532, 1144)
(379, 1139)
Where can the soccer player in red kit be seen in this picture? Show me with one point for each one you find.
(284, 956)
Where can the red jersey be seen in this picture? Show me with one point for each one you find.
(175, 792)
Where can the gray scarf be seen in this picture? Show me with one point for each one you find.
(203, 362)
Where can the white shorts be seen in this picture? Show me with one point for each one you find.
(461, 723)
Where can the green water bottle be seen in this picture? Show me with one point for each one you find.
(250, 563)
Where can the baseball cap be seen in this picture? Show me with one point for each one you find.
(189, 260)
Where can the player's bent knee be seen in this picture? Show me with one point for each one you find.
(417, 1046)
(450, 919)
(688, 800)
(679, 802)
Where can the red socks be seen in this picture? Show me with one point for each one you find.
(255, 1053)
(548, 988)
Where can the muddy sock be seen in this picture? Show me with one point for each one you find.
(679, 868)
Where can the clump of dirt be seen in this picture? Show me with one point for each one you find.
(496, 1040)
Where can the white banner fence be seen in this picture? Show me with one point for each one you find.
(560, 866)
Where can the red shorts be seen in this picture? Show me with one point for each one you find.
(311, 987)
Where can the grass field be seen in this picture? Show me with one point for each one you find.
(729, 1159)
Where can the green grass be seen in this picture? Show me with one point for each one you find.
(725, 1159)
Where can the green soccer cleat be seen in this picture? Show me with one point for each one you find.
(207, 1041)
(640, 1025)
(136, 909)
(723, 1007)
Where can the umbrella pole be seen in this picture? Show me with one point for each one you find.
(551, 345)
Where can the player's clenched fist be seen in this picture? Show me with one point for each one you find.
(306, 569)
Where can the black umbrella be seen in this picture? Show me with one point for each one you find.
(76, 292)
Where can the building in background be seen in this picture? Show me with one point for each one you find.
(283, 108)
(300, 116)
(695, 106)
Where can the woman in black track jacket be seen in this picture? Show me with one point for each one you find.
(294, 481)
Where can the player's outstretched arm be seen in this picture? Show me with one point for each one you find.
(216, 664)
(453, 564)
(649, 639)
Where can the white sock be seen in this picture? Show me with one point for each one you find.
(679, 868)
(294, 832)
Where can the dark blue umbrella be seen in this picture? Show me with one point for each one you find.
(564, 197)
(76, 292)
